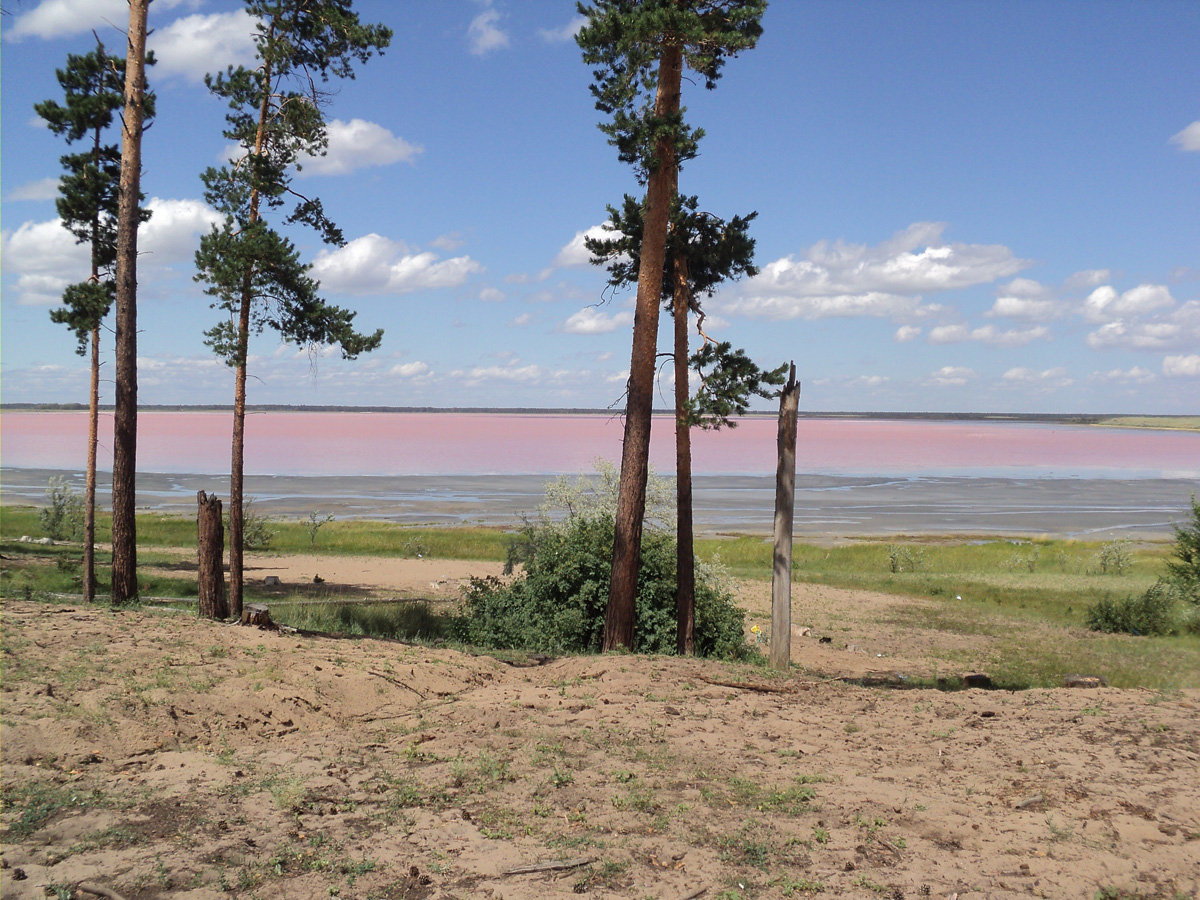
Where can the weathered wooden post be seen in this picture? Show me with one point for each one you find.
(211, 550)
(785, 499)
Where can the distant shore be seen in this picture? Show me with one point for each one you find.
(1112, 420)
(827, 507)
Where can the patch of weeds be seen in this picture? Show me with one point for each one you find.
(864, 881)
(114, 836)
(871, 825)
(851, 728)
(793, 886)
(638, 797)
(290, 794)
(748, 847)
(608, 874)
(791, 800)
(487, 772)
(35, 804)
(561, 779)
(1059, 833)
(820, 834)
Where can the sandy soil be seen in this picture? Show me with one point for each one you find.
(159, 756)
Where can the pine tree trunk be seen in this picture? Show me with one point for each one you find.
(785, 500)
(621, 614)
(237, 466)
(89, 491)
(210, 545)
(124, 527)
(685, 559)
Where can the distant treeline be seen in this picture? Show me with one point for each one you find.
(1061, 418)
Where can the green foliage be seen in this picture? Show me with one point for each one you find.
(313, 525)
(1183, 569)
(93, 87)
(557, 603)
(1151, 613)
(277, 120)
(623, 42)
(1115, 557)
(589, 497)
(257, 529)
(62, 520)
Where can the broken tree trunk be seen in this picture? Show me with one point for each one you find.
(257, 614)
(785, 499)
(211, 550)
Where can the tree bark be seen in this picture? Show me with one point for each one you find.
(685, 558)
(124, 529)
(210, 548)
(621, 614)
(785, 499)
(89, 491)
(236, 497)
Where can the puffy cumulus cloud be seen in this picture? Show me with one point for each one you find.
(1047, 378)
(415, 369)
(988, 334)
(491, 295)
(512, 373)
(906, 333)
(521, 321)
(484, 34)
(46, 258)
(950, 376)
(1188, 140)
(372, 264)
(44, 189)
(590, 320)
(1174, 330)
(565, 33)
(889, 279)
(1087, 278)
(1182, 366)
(358, 144)
(574, 253)
(1135, 375)
(62, 18)
(1105, 304)
(194, 45)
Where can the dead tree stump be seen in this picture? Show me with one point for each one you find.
(211, 549)
(257, 614)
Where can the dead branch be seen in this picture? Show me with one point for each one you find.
(99, 891)
(554, 865)
(758, 688)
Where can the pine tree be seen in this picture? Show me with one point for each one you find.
(639, 49)
(703, 251)
(277, 117)
(124, 484)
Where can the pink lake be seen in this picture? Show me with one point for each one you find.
(351, 443)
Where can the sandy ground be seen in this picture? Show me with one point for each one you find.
(159, 756)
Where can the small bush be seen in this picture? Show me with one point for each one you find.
(256, 528)
(1184, 569)
(906, 559)
(1154, 612)
(62, 520)
(1115, 557)
(557, 603)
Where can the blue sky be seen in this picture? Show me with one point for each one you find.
(976, 206)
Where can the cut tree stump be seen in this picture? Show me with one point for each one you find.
(213, 604)
(257, 614)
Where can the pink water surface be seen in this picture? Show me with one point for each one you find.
(349, 443)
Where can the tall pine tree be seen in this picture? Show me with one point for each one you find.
(703, 251)
(277, 118)
(639, 49)
(93, 90)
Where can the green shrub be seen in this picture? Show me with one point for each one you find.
(62, 520)
(557, 603)
(1154, 612)
(1184, 570)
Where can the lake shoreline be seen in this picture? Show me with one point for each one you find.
(828, 507)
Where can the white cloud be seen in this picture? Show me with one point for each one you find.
(506, 373)
(1024, 298)
(869, 381)
(565, 33)
(194, 45)
(491, 295)
(1048, 378)
(45, 189)
(521, 321)
(1182, 366)
(574, 253)
(988, 334)
(889, 279)
(485, 34)
(372, 264)
(410, 370)
(62, 18)
(906, 333)
(1104, 304)
(1087, 278)
(1188, 139)
(448, 242)
(951, 376)
(358, 144)
(46, 258)
(1136, 336)
(589, 320)
(1135, 375)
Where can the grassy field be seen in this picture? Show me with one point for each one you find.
(1023, 600)
(1180, 423)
